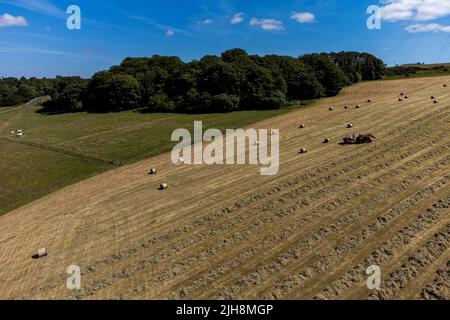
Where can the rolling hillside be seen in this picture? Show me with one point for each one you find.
(227, 232)
(59, 150)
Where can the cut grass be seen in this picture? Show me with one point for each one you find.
(59, 150)
(226, 232)
(28, 173)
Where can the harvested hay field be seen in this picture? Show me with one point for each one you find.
(56, 151)
(225, 232)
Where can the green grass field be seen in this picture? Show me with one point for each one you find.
(59, 150)
(417, 71)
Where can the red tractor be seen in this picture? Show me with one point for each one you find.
(361, 138)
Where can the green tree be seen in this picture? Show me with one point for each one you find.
(224, 103)
(233, 81)
(108, 92)
(26, 92)
(160, 102)
(221, 77)
(300, 78)
(332, 78)
(8, 96)
(66, 96)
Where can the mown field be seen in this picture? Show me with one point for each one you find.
(226, 232)
(59, 150)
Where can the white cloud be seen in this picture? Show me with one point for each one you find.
(416, 10)
(267, 24)
(40, 6)
(7, 20)
(237, 18)
(206, 21)
(432, 27)
(45, 7)
(303, 17)
(170, 33)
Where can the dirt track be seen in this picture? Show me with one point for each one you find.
(226, 232)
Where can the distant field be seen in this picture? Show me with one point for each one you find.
(418, 71)
(428, 66)
(59, 150)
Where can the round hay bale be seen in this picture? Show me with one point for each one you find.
(327, 140)
(346, 107)
(302, 126)
(369, 100)
(358, 106)
(41, 252)
(433, 97)
(349, 125)
(406, 97)
(402, 94)
(445, 85)
(331, 109)
(153, 171)
(400, 99)
(436, 101)
(303, 150)
(163, 186)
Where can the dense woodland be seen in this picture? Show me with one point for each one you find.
(233, 81)
(16, 91)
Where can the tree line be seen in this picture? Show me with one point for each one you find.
(15, 91)
(232, 81)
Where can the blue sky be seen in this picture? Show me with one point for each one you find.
(34, 39)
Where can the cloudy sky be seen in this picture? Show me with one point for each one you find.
(35, 41)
